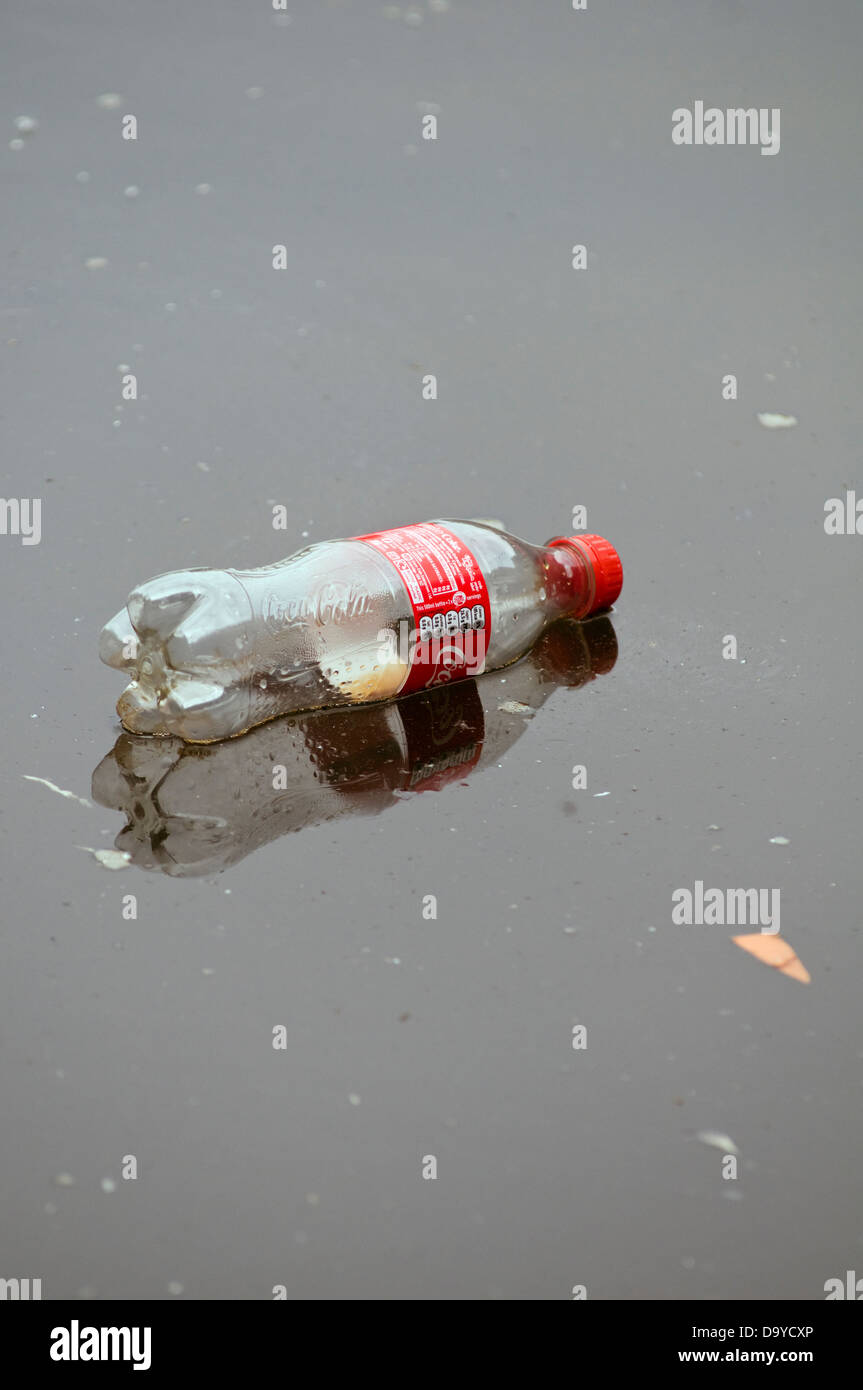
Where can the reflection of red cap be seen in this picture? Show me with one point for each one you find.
(605, 563)
(572, 653)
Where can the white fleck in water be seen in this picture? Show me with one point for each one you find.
(716, 1140)
(776, 422)
(109, 858)
(175, 1288)
(109, 101)
(779, 840)
(82, 176)
(203, 189)
(108, 1185)
(131, 191)
(515, 707)
(52, 786)
(26, 124)
(96, 262)
(354, 1098)
(16, 144)
(64, 1180)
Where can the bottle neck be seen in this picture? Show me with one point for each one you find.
(570, 584)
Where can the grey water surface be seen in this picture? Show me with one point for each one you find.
(409, 1036)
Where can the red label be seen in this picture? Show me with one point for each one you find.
(449, 599)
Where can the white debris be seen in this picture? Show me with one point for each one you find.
(52, 786)
(132, 191)
(175, 1288)
(109, 101)
(715, 1140)
(64, 1180)
(779, 840)
(203, 189)
(515, 707)
(108, 1185)
(26, 124)
(354, 1098)
(776, 422)
(108, 858)
(16, 144)
(95, 263)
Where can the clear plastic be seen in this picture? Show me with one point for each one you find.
(211, 653)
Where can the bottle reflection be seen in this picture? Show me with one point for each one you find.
(195, 809)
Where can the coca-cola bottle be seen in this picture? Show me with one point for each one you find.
(211, 653)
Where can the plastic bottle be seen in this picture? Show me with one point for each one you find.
(211, 653)
(192, 810)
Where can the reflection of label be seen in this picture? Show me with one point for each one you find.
(449, 599)
(444, 730)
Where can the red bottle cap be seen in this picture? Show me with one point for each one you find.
(605, 563)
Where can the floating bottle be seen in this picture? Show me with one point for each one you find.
(211, 653)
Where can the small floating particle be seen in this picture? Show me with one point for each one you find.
(203, 189)
(109, 101)
(175, 1288)
(515, 707)
(108, 1185)
(52, 786)
(108, 858)
(772, 950)
(82, 176)
(776, 422)
(64, 1180)
(779, 840)
(254, 93)
(204, 467)
(354, 1098)
(602, 793)
(26, 124)
(95, 263)
(16, 144)
(131, 191)
(716, 1140)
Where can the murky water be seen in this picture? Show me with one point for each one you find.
(460, 896)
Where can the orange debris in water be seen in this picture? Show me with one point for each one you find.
(772, 950)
